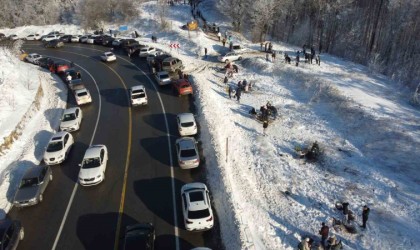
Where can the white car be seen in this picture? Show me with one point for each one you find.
(93, 166)
(71, 120)
(138, 95)
(117, 42)
(230, 56)
(91, 39)
(108, 57)
(187, 152)
(58, 148)
(13, 37)
(145, 51)
(162, 78)
(50, 37)
(196, 207)
(186, 124)
(82, 96)
(238, 48)
(83, 39)
(75, 39)
(33, 37)
(33, 58)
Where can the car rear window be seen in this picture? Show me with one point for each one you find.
(138, 95)
(188, 153)
(166, 63)
(187, 124)
(198, 214)
(82, 94)
(164, 76)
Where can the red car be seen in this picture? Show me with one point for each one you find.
(182, 87)
(59, 67)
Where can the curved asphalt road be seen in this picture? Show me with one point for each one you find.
(141, 146)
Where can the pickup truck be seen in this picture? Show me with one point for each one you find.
(81, 94)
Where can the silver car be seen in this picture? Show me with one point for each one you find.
(187, 152)
(32, 186)
(162, 78)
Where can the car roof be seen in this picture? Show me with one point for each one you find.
(33, 172)
(186, 117)
(169, 59)
(70, 110)
(58, 135)
(109, 53)
(186, 143)
(34, 54)
(162, 73)
(93, 151)
(138, 87)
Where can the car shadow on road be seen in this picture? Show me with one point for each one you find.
(153, 145)
(41, 140)
(157, 121)
(160, 200)
(117, 96)
(53, 116)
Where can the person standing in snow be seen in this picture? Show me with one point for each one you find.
(273, 56)
(265, 47)
(224, 42)
(219, 35)
(265, 126)
(297, 60)
(365, 215)
(267, 57)
(238, 94)
(230, 90)
(324, 233)
(318, 60)
(205, 53)
(304, 244)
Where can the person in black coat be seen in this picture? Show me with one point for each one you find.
(365, 215)
(324, 233)
(230, 90)
(238, 94)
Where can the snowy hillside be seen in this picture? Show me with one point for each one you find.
(265, 196)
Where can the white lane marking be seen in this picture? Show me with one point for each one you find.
(168, 136)
(90, 143)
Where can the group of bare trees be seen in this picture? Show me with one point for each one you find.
(383, 34)
(88, 13)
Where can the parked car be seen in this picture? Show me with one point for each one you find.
(91, 39)
(11, 232)
(75, 74)
(54, 44)
(33, 58)
(187, 152)
(229, 57)
(139, 236)
(58, 148)
(93, 166)
(32, 186)
(108, 57)
(162, 78)
(71, 120)
(117, 42)
(66, 38)
(83, 39)
(182, 87)
(138, 95)
(50, 37)
(238, 48)
(33, 37)
(146, 50)
(196, 207)
(13, 37)
(133, 49)
(126, 42)
(45, 62)
(172, 64)
(107, 41)
(82, 96)
(59, 67)
(186, 124)
(75, 39)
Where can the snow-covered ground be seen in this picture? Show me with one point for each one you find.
(265, 196)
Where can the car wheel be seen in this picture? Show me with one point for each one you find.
(21, 234)
(41, 198)
(51, 177)
(240, 58)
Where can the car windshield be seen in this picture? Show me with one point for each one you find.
(69, 117)
(166, 63)
(188, 153)
(91, 163)
(199, 214)
(187, 124)
(185, 86)
(54, 146)
(28, 182)
(164, 76)
(82, 94)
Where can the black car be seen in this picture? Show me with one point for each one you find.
(126, 42)
(133, 49)
(66, 38)
(56, 43)
(139, 236)
(45, 62)
(11, 232)
(74, 73)
(107, 41)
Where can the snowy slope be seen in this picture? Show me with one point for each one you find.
(266, 197)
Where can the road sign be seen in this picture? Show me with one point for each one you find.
(174, 46)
